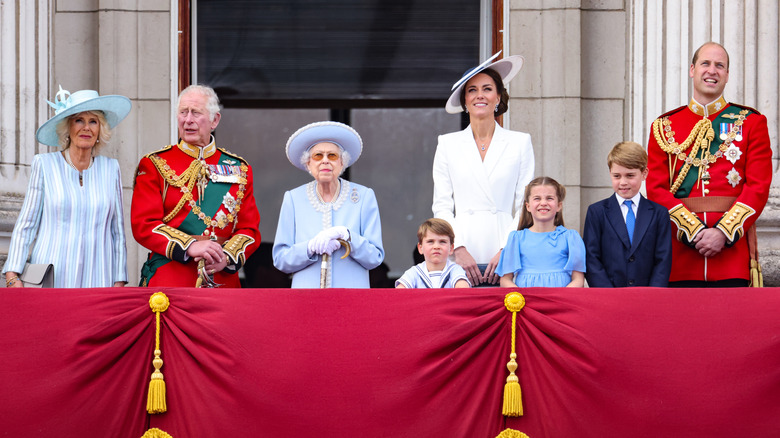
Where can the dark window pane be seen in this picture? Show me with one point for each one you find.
(336, 50)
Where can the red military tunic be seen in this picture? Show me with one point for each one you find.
(723, 182)
(183, 193)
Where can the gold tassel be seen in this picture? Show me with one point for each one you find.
(513, 398)
(756, 276)
(155, 401)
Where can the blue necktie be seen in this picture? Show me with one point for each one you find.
(630, 221)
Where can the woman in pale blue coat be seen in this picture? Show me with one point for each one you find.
(329, 216)
(72, 214)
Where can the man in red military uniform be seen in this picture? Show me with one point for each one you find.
(710, 164)
(193, 204)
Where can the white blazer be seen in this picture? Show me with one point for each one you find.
(481, 200)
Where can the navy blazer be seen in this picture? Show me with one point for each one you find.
(614, 262)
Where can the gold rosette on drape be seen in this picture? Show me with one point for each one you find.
(511, 433)
(157, 433)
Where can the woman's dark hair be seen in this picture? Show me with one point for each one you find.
(503, 105)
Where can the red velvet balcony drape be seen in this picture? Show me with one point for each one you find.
(386, 363)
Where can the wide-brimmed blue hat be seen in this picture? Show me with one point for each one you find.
(114, 108)
(507, 68)
(323, 132)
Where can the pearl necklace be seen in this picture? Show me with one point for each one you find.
(81, 174)
(335, 196)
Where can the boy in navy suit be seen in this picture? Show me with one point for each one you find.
(627, 238)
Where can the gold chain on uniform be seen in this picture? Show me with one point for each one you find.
(701, 137)
(186, 181)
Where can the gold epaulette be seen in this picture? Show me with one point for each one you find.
(688, 223)
(225, 151)
(164, 148)
(732, 222)
(752, 110)
(175, 237)
(236, 246)
(669, 113)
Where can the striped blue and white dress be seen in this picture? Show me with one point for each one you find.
(79, 229)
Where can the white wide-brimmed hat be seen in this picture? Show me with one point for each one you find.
(114, 108)
(323, 132)
(507, 68)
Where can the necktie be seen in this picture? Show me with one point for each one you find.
(630, 221)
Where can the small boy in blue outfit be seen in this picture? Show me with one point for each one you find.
(435, 239)
(627, 237)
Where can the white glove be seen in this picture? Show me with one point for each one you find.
(325, 241)
(318, 243)
(338, 232)
(332, 246)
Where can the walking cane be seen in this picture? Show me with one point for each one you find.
(326, 261)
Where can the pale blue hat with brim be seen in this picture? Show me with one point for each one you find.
(507, 68)
(323, 132)
(114, 107)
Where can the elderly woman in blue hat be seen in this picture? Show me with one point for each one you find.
(329, 233)
(72, 213)
(480, 173)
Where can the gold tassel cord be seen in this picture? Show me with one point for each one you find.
(155, 401)
(513, 399)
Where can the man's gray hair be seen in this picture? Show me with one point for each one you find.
(212, 101)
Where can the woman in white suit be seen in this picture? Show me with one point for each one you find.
(480, 173)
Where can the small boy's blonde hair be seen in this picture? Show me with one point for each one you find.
(435, 226)
(628, 154)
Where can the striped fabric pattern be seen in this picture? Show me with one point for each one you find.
(79, 229)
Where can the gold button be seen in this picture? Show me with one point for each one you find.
(706, 191)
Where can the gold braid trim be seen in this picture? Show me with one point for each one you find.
(687, 223)
(236, 246)
(187, 182)
(175, 237)
(733, 220)
(511, 433)
(700, 137)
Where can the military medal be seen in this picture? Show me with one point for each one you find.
(221, 173)
(724, 130)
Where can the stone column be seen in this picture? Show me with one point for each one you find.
(24, 44)
(546, 97)
(135, 61)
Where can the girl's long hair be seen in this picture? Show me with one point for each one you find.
(526, 220)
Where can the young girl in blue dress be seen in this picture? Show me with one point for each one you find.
(542, 252)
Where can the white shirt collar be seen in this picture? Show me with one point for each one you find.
(634, 200)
